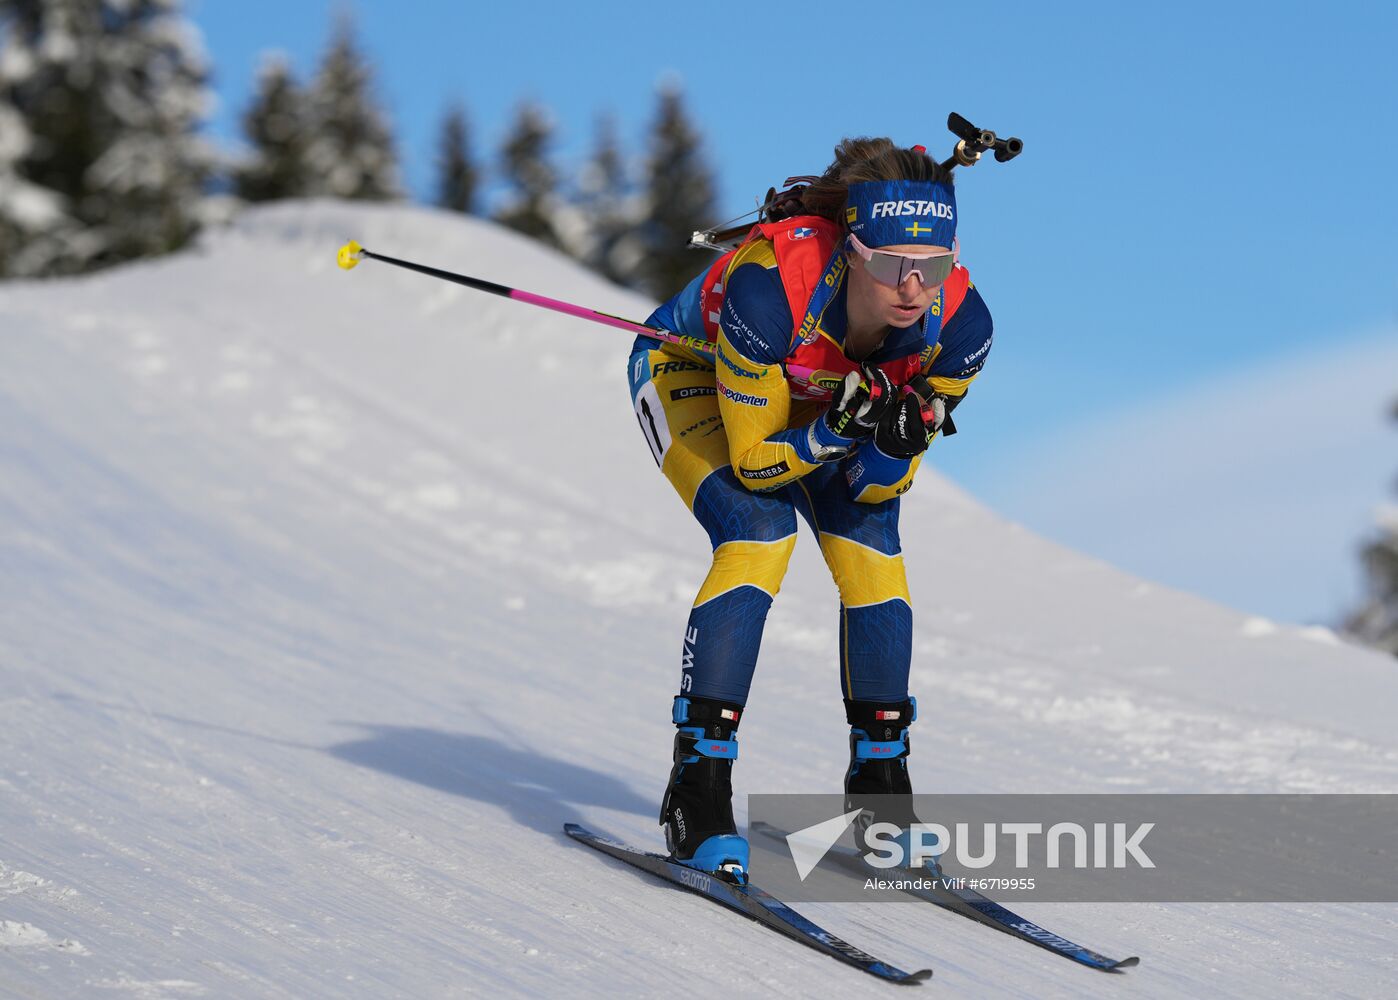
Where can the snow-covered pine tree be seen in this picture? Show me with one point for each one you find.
(48, 133)
(31, 219)
(148, 183)
(276, 126)
(532, 200)
(350, 153)
(1376, 621)
(109, 94)
(457, 174)
(611, 209)
(680, 196)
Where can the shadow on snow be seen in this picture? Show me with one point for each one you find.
(530, 785)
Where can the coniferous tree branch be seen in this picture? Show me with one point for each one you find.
(457, 174)
(532, 199)
(680, 190)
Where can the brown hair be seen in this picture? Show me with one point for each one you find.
(866, 159)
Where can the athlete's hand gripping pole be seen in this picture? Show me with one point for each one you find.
(907, 427)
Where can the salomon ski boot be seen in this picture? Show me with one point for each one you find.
(697, 812)
(877, 782)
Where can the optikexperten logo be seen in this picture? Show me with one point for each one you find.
(740, 397)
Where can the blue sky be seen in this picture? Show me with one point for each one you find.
(1205, 197)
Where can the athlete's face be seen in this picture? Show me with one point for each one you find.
(880, 303)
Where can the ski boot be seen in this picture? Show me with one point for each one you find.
(878, 767)
(697, 811)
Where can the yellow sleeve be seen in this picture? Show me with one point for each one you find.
(755, 403)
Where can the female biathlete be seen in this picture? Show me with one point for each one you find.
(862, 285)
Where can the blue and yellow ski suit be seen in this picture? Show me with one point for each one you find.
(728, 431)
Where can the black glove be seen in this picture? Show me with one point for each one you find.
(859, 402)
(907, 427)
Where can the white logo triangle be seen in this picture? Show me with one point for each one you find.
(810, 845)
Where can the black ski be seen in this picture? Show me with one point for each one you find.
(972, 904)
(750, 901)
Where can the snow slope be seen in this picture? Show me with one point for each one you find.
(326, 598)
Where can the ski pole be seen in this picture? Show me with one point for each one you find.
(352, 253)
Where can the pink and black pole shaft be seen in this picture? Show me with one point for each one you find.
(798, 372)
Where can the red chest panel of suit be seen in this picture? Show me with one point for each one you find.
(811, 275)
(831, 366)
